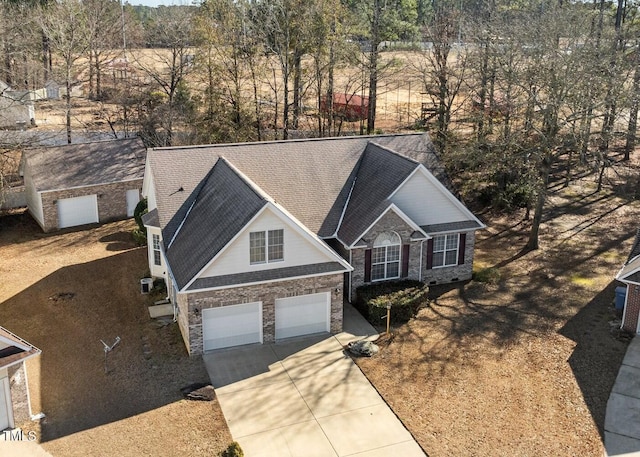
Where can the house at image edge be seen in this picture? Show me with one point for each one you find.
(629, 275)
(261, 241)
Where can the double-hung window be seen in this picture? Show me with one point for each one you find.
(385, 257)
(266, 246)
(445, 250)
(156, 249)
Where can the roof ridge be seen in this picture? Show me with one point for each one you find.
(391, 151)
(203, 183)
(292, 140)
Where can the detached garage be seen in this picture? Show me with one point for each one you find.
(85, 183)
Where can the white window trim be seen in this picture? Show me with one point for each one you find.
(386, 262)
(444, 252)
(155, 237)
(386, 255)
(266, 247)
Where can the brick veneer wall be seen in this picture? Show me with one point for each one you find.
(19, 396)
(632, 309)
(429, 276)
(390, 222)
(454, 273)
(112, 201)
(190, 320)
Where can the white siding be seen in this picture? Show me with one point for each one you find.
(149, 188)
(425, 203)
(34, 198)
(298, 250)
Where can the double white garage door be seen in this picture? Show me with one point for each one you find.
(242, 324)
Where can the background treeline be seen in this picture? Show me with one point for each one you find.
(511, 91)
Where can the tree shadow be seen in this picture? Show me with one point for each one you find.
(595, 365)
(77, 389)
(119, 241)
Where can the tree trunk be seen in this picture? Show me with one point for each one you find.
(373, 67)
(533, 242)
(633, 115)
(68, 102)
(297, 76)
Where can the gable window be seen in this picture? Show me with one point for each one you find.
(445, 250)
(156, 249)
(385, 257)
(266, 246)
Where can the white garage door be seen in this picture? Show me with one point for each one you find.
(303, 315)
(77, 211)
(133, 197)
(4, 404)
(232, 325)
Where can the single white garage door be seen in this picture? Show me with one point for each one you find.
(232, 325)
(77, 211)
(133, 197)
(303, 315)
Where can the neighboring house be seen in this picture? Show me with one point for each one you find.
(629, 274)
(84, 183)
(15, 405)
(261, 241)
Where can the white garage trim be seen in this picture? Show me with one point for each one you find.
(6, 409)
(233, 325)
(133, 197)
(303, 315)
(77, 211)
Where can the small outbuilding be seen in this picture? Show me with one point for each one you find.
(15, 404)
(84, 183)
(349, 107)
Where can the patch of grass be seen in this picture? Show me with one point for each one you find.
(582, 281)
(488, 275)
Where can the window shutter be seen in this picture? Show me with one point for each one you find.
(461, 248)
(405, 260)
(429, 253)
(367, 265)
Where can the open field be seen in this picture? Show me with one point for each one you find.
(64, 292)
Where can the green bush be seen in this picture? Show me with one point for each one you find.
(405, 297)
(489, 275)
(234, 450)
(139, 236)
(141, 210)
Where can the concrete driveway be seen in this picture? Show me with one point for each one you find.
(305, 397)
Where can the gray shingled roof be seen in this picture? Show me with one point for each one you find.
(451, 227)
(267, 275)
(151, 218)
(380, 172)
(311, 178)
(635, 249)
(86, 164)
(222, 205)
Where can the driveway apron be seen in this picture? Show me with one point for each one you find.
(306, 397)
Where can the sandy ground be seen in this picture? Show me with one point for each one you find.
(65, 292)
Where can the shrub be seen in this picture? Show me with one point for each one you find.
(406, 297)
(489, 275)
(139, 236)
(140, 233)
(233, 450)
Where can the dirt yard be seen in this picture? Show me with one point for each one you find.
(522, 367)
(65, 292)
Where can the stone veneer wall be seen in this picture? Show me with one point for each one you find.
(190, 320)
(390, 222)
(454, 273)
(632, 309)
(112, 201)
(19, 396)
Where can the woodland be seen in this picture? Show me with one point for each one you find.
(511, 92)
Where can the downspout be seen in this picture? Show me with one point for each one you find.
(34, 417)
(350, 274)
(421, 252)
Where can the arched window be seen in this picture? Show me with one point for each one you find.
(385, 258)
